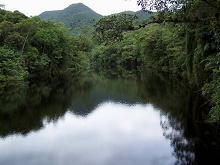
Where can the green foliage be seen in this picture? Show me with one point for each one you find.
(162, 48)
(152, 46)
(46, 40)
(47, 48)
(1, 18)
(5, 29)
(188, 50)
(202, 46)
(110, 28)
(14, 17)
(14, 41)
(190, 46)
(83, 43)
(155, 47)
(11, 65)
(212, 88)
(200, 21)
(116, 58)
(36, 64)
(83, 17)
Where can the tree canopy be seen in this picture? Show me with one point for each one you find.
(171, 5)
(37, 48)
(184, 10)
(110, 28)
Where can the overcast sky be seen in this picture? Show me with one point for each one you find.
(35, 7)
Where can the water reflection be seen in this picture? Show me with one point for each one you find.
(113, 134)
(148, 108)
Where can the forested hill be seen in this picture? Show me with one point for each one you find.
(79, 15)
(74, 16)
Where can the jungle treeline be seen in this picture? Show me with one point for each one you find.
(33, 48)
(182, 39)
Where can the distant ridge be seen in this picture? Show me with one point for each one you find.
(75, 15)
(79, 15)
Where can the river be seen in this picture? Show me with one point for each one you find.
(141, 120)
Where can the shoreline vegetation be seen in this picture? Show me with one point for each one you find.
(184, 43)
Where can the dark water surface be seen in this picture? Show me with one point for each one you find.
(100, 121)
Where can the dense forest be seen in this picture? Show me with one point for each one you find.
(33, 48)
(182, 39)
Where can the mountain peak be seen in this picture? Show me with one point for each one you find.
(79, 15)
(77, 5)
(75, 15)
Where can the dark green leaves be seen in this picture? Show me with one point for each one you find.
(11, 67)
(110, 28)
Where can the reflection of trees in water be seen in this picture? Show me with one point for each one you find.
(193, 140)
(24, 108)
(173, 130)
(179, 106)
(201, 147)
